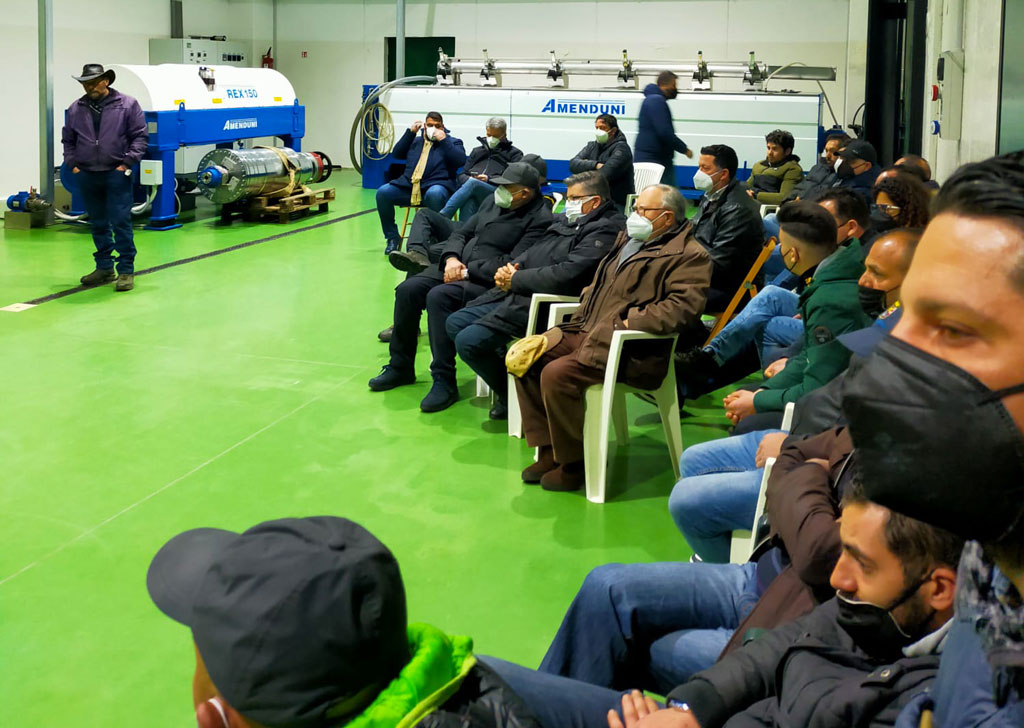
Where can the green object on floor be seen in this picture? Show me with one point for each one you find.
(232, 390)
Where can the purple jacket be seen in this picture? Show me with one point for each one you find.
(123, 136)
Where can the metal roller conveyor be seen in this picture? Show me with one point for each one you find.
(229, 175)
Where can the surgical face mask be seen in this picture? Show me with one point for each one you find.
(843, 168)
(601, 136)
(430, 132)
(639, 227)
(874, 629)
(789, 267)
(574, 208)
(935, 443)
(503, 198)
(492, 142)
(704, 181)
(872, 300)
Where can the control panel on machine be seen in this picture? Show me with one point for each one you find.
(200, 51)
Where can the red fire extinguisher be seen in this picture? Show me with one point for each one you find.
(268, 60)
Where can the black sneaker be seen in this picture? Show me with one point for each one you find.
(499, 411)
(392, 246)
(389, 378)
(441, 396)
(412, 261)
(696, 364)
(98, 277)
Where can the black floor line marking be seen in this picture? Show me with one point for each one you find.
(194, 258)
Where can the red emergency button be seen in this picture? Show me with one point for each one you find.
(935, 92)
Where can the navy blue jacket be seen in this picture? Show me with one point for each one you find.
(862, 183)
(656, 139)
(443, 164)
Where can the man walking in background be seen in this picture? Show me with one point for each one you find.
(104, 136)
(656, 139)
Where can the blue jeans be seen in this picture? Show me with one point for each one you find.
(389, 195)
(481, 347)
(467, 199)
(751, 325)
(717, 493)
(108, 200)
(650, 626)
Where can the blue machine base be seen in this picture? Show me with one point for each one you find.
(172, 226)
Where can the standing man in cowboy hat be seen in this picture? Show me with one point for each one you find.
(104, 136)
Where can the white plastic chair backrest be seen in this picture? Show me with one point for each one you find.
(646, 174)
(768, 209)
(787, 417)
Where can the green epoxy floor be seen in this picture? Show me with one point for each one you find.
(233, 390)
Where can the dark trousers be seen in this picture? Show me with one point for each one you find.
(389, 195)
(108, 201)
(551, 399)
(482, 347)
(428, 234)
(412, 296)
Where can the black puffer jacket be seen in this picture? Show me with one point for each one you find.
(819, 178)
(730, 229)
(617, 160)
(805, 673)
(494, 236)
(562, 263)
(492, 162)
(483, 700)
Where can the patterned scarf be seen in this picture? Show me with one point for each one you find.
(993, 601)
(417, 174)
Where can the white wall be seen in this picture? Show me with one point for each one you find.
(975, 26)
(110, 32)
(344, 42)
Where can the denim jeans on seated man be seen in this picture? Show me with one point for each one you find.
(767, 320)
(481, 347)
(466, 200)
(389, 195)
(717, 493)
(650, 626)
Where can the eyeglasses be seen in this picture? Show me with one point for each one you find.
(642, 210)
(888, 208)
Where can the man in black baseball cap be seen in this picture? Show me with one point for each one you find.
(857, 167)
(301, 623)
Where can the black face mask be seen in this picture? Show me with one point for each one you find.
(845, 170)
(671, 94)
(935, 443)
(875, 630)
(880, 220)
(872, 301)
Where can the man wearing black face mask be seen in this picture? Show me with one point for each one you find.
(656, 139)
(855, 660)
(939, 411)
(857, 167)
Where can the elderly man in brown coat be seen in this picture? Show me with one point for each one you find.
(655, 279)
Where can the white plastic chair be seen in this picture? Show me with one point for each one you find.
(607, 403)
(561, 307)
(768, 210)
(744, 542)
(645, 174)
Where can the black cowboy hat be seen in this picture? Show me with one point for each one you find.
(92, 71)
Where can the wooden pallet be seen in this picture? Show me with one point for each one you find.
(280, 209)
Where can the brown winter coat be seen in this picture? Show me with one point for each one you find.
(802, 503)
(661, 290)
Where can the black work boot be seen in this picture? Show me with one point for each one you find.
(411, 261)
(98, 277)
(441, 396)
(389, 378)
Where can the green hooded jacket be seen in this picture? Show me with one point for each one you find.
(772, 183)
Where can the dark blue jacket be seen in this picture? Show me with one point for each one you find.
(443, 164)
(122, 139)
(963, 691)
(862, 183)
(656, 139)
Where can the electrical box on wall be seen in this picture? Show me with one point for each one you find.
(200, 51)
(948, 94)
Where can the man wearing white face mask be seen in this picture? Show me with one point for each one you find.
(728, 223)
(654, 280)
(432, 157)
(610, 155)
(485, 162)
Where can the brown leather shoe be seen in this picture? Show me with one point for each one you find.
(545, 462)
(564, 478)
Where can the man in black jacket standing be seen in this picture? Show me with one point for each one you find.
(728, 223)
(610, 155)
(562, 263)
(505, 227)
(484, 163)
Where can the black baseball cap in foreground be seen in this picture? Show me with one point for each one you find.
(300, 622)
(859, 149)
(519, 173)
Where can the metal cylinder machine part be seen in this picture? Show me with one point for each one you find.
(229, 175)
